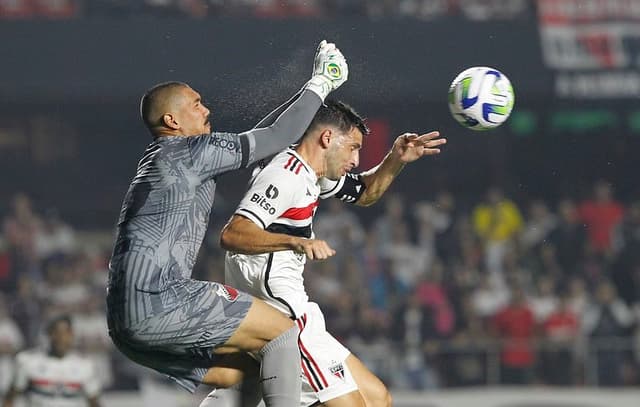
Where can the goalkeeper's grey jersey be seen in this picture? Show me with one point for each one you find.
(166, 209)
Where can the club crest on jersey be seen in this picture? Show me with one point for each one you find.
(227, 292)
(337, 371)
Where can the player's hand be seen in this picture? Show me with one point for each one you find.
(330, 70)
(314, 249)
(411, 146)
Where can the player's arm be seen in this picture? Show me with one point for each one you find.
(218, 153)
(288, 122)
(254, 227)
(366, 188)
(242, 235)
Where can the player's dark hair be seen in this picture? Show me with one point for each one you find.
(152, 99)
(340, 115)
(59, 319)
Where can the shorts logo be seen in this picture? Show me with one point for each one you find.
(337, 371)
(227, 292)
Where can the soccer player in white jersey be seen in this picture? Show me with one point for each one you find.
(270, 237)
(55, 377)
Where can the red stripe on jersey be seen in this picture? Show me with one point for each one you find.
(289, 162)
(316, 368)
(300, 213)
(42, 382)
(45, 382)
(298, 169)
(304, 362)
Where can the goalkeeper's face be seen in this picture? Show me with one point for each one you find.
(192, 115)
(343, 154)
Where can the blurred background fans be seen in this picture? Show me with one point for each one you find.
(511, 259)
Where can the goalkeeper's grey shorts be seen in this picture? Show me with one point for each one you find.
(180, 340)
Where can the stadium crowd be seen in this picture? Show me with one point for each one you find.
(428, 294)
(424, 9)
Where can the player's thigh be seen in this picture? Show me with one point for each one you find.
(262, 324)
(231, 369)
(353, 399)
(373, 391)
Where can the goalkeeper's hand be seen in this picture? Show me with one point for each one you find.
(330, 70)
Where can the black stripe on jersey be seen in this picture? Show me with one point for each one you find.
(297, 162)
(244, 148)
(299, 231)
(266, 286)
(294, 164)
(252, 213)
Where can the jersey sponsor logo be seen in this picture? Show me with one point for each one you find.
(338, 371)
(230, 293)
(272, 192)
(226, 144)
(261, 201)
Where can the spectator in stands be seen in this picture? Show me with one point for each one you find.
(539, 224)
(20, 228)
(626, 267)
(394, 214)
(601, 214)
(560, 333)
(339, 227)
(497, 221)
(514, 326)
(54, 239)
(54, 376)
(11, 341)
(569, 237)
(489, 297)
(467, 361)
(413, 331)
(607, 322)
(407, 260)
(544, 300)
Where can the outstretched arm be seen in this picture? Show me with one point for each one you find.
(407, 148)
(243, 236)
(288, 122)
(284, 125)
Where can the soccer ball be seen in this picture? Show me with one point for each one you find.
(481, 98)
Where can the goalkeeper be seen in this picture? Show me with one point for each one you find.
(158, 316)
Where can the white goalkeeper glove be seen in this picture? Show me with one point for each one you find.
(330, 70)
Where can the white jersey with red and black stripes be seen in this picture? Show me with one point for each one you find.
(282, 198)
(49, 381)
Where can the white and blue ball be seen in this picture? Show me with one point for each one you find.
(481, 98)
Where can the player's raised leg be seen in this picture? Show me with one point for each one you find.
(275, 337)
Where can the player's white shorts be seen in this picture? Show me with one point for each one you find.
(325, 374)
